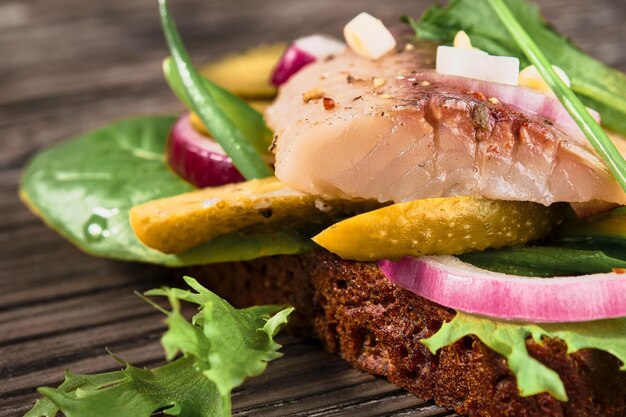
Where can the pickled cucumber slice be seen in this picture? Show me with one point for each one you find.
(438, 226)
(247, 74)
(610, 225)
(175, 224)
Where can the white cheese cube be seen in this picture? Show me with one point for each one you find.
(368, 36)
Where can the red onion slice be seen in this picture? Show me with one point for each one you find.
(302, 52)
(524, 99)
(198, 158)
(455, 284)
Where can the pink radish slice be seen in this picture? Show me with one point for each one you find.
(452, 283)
(524, 99)
(197, 158)
(302, 52)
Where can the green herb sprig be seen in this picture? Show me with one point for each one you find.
(592, 130)
(243, 153)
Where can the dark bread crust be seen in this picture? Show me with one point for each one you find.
(376, 326)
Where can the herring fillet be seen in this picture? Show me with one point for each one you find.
(401, 132)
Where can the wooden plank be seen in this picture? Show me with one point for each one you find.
(339, 390)
(72, 65)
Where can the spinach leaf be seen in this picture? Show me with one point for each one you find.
(598, 86)
(85, 187)
(545, 261)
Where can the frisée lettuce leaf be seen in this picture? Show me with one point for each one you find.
(179, 388)
(218, 350)
(509, 340)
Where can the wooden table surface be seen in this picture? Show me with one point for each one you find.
(68, 66)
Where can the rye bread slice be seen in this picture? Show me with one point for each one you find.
(376, 326)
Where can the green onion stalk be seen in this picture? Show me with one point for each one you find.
(592, 130)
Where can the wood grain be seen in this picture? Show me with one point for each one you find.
(72, 65)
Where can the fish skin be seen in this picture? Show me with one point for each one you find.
(416, 136)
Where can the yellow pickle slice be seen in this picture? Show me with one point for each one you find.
(247, 74)
(175, 224)
(438, 226)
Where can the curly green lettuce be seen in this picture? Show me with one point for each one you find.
(509, 340)
(216, 352)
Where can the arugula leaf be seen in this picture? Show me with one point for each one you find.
(544, 261)
(203, 103)
(220, 348)
(598, 86)
(84, 188)
(509, 340)
(247, 119)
